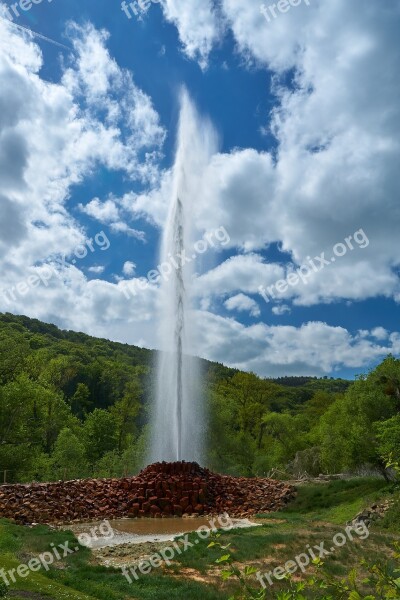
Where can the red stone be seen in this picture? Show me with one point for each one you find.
(159, 490)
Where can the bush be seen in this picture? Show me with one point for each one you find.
(391, 520)
(306, 462)
(3, 590)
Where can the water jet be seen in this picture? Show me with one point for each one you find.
(178, 425)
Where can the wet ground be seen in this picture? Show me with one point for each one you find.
(126, 542)
(106, 534)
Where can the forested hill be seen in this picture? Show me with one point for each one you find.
(21, 337)
(73, 405)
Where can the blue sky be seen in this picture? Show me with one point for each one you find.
(305, 108)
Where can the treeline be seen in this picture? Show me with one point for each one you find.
(74, 406)
(259, 427)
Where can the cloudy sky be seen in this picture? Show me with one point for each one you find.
(305, 106)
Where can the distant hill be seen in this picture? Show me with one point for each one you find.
(37, 334)
(328, 384)
(72, 405)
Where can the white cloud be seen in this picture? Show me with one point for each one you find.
(337, 128)
(151, 205)
(244, 272)
(281, 309)
(129, 268)
(109, 213)
(105, 212)
(243, 303)
(131, 121)
(198, 26)
(315, 348)
(52, 136)
(97, 269)
(334, 171)
(380, 333)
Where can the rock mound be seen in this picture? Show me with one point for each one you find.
(160, 490)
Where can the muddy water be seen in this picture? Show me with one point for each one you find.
(103, 534)
(155, 527)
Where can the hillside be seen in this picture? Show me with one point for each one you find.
(73, 405)
(26, 336)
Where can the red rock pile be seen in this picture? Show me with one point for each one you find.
(160, 490)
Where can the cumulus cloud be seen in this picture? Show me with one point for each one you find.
(243, 303)
(52, 136)
(380, 333)
(198, 26)
(105, 212)
(315, 348)
(129, 268)
(244, 272)
(281, 309)
(337, 126)
(97, 269)
(109, 213)
(131, 123)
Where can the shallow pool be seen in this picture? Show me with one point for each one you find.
(101, 534)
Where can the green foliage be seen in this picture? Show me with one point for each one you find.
(61, 391)
(348, 430)
(3, 590)
(80, 401)
(383, 581)
(64, 391)
(247, 590)
(68, 458)
(388, 438)
(31, 417)
(391, 520)
(99, 435)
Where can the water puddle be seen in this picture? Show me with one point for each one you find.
(104, 534)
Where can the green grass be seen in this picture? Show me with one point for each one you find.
(337, 501)
(317, 514)
(76, 578)
(40, 584)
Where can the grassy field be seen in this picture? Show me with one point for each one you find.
(317, 515)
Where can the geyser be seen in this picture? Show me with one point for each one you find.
(178, 427)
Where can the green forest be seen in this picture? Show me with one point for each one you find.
(74, 406)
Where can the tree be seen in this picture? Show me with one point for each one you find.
(284, 436)
(69, 457)
(125, 413)
(31, 417)
(14, 349)
(387, 377)
(388, 436)
(80, 401)
(110, 465)
(347, 433)
(99, 435)
(252, 398)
